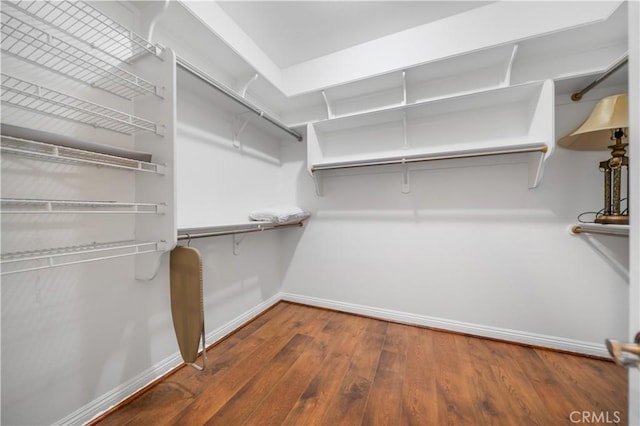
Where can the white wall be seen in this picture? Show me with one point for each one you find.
(470, 248)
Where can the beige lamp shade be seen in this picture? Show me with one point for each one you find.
(594, 134)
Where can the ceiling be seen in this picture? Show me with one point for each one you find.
(290, 32)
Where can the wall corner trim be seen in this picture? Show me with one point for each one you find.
(552, 342)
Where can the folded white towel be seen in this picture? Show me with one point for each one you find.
(282, 215)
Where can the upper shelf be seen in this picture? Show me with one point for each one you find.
(30, 43)
(50, 152)
(509, 120)
(27, 95)
(77, 22)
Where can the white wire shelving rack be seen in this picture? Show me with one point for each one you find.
(49, 152)
(30, 96)
(78, 41)
(38, 206)
(29, 43)
(33, 260)
(79, 22)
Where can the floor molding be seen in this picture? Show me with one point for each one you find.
(552, 342)
(111, 399)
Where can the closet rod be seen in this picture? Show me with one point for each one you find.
(231, 94)
(542, 148)
(578, 95)
(594, 228)
(182, 235)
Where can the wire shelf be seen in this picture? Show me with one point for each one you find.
(29, 43)
(79, 20)
(49, 258)
(45, 151)
(30, 96)
(33, 206)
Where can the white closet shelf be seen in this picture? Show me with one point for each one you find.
(30, 96)
(33, 206)
(49, 258)
(44, 151)
(432, 155)
(231, 229)
(32, 44)
(81, 23)
(598, 228)
(489, 123)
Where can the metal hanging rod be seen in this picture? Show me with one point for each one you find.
(234, 96)
(578, 95)
(542, 148)
(189, 234)
(595, 228)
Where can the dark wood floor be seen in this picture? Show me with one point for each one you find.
(298, 365)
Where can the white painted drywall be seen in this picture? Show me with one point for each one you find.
(472, 244)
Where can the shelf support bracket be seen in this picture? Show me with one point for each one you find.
(237, 240)
(240, 128)
(406, 188)
(245, 87)
(506, 81)
(328, 104)
(536, 166)
(405, 140)
(317, 181)
(404, 88)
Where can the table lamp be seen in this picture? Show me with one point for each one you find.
(607, 127)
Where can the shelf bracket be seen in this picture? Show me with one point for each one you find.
(328, 104)
(536, 166)
(406, 188)
(245, 87)
(405, 140)
(404, 88)
(506, 81)
(317, 181)
(237, 240)
(240, 128)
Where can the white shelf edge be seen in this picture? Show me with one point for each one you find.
(598, 228)
(422, 102)
(51, 258)
(76, 207)
(50, 152)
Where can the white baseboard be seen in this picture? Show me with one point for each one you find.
(119, 394)
(110, 399)
(558, 343)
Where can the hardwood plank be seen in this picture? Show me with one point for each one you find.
(454, 400)
(299, 365)
(218, 391)
(347, 407)
(419, 394)
(344, 331)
